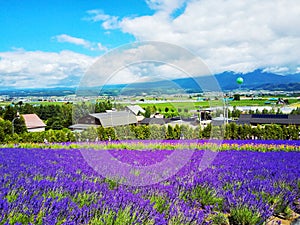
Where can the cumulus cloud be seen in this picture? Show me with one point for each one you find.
(228, 34)
(64, 38)
(145, 72)
(147, 61)
(22, 68)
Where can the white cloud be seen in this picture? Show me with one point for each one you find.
(145, 72)
(42, 69)
(108, 22)
(73, 40)
(64, 38)
(165, 5)
(147, 61)
(277, 70)
(100, 47)
(227, 34)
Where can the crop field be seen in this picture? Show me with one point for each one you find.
(35, 103)
(246, 182)
(190, 105)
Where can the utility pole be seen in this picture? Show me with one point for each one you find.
(226, 109)
(13, 121)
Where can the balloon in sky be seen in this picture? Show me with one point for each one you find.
(239, 80)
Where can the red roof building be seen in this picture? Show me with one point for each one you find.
(34, 123)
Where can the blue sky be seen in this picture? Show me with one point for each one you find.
(53, 43)
(33, 25)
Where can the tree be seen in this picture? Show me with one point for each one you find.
(207, 131)
(170, 133)
(56, 125)
(102, 106)
(105, 134)
(157, 132)
(293, 132)
(177, 132)
(19, 125)
(236, 97)
(2, 134)
(142, 132)
(10, 113)
(126, 132)
(296, 111)
(216, 132)
(147, 113)
(27, 109)
(231, 131)
(264, 111)
(6, 125)
(187, 132)
(235, 112)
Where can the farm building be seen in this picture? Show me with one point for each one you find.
(281, 119)
(34, 123)
(135, 109)
(108, 119)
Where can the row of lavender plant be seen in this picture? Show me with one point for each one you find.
(225, 145)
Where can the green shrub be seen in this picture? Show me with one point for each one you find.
(244, 216)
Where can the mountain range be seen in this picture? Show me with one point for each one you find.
(256, 80)
(259, 79)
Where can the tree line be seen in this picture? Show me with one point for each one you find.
(229, 131)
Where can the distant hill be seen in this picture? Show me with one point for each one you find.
(24, 92)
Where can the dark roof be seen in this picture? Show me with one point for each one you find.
(219, 121)
(282, 119)
(81, 126)
(158, 121)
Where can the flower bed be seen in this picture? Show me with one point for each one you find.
(57, 186)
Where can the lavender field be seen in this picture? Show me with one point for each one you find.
(245, 183)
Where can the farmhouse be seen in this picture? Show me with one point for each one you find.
(34, 123)
(108, 119)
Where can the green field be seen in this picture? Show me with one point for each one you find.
(35, 103)
(185, 104)
(206, 104)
